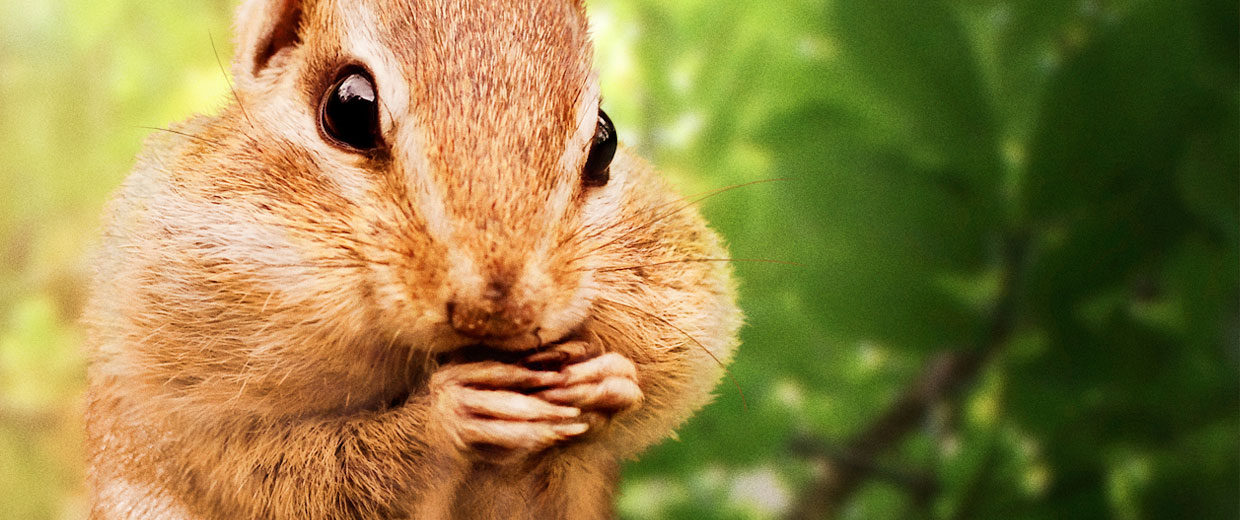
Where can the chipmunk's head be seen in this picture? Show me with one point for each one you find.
(439, 166)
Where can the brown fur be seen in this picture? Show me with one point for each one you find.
(269, 310)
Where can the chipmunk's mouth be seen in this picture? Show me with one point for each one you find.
(481, 352)
(478, 352)
(471, 353)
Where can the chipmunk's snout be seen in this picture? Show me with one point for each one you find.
(496, 317)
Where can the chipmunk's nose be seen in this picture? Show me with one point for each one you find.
(494, 317)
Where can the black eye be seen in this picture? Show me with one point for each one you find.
(602, 150)
(350, 111)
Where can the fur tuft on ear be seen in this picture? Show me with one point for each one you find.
(263, 28)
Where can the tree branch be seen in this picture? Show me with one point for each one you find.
(941, 378)
(27, 420)
(918, 483)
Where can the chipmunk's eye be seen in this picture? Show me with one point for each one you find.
(602, 150)
(349, 113)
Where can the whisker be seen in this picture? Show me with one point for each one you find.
(695, 260)
(699, 197)
(660, 319)
(692, 199)
(182, 134)
(332, 262)
(684, 202)
(216, 51)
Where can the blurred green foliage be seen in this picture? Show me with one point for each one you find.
(921, 139)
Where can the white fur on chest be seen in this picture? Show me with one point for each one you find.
(122, 499)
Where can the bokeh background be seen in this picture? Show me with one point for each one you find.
(1014, 226)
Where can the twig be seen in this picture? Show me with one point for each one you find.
(27, 420)
(941, 378)
(918, 483)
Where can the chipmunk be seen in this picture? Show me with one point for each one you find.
(407, 273)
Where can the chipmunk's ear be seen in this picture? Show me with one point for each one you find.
(264, 27)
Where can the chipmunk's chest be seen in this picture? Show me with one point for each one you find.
(565, 487)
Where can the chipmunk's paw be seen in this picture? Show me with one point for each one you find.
(488, 417)
(600, 385)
